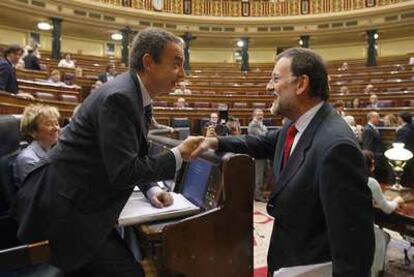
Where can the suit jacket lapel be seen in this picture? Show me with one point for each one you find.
(299, 153)
(137, 96)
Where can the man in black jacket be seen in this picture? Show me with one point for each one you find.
(31, 62)
(320, 199)
(76, 194)
(8, 80)
(405, 134)
(109, 73)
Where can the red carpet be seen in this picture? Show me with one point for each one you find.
(262, 223)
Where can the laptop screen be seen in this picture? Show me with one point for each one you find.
(195, 181)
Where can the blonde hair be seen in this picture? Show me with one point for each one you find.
(31, 113)
(54, 72)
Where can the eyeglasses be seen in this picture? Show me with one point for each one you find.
(276, 79)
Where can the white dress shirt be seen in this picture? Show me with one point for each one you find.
(302, 123)
(146, 100)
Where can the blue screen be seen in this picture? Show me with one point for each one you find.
(195, 181)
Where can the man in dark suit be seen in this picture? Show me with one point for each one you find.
(75, 195)
(31, 61)
(8, 80)
(372, 141)
(320, 199)
(109, 73)
(405, 134)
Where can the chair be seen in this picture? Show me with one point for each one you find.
(257, 105)
(45, 95)
(201, 105)
(180, 122)
(160, 104)
(252, 93)
(9, 149)
(386, 103)
(240, 105)
(69, 78)
(69, 98)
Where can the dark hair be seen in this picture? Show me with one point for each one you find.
(152, 41)
(14, 48)
(308, 62)
(406, 117)
(369, 159)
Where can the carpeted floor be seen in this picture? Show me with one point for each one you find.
(394, 266)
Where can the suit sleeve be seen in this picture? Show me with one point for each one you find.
(400, 136)
(368, 140)
(259, 147)
(121, 151)
(347, 205)
(5, 73)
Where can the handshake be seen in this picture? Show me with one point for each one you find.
(192, 147)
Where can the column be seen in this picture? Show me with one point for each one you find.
(305, 41)
(125, 45)
(372, 51)
(56, 33)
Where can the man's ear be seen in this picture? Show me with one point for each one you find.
(303, 84)
(147, 61)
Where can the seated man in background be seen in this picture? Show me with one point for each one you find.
(373, 102)
(40, 127)
(344, 90)
(31, 61)
(369, 89)
(8, 79)
(109, 73)
(256, 128)
(182, 90)
(180, 104)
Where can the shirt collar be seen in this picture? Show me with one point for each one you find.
(146, 98)
(372, 125)
(304, 120)
(40, 152)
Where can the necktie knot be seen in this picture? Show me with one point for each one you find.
(292, 131)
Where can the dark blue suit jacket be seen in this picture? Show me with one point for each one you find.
(75, 196)
(8, 81)
(320, 201)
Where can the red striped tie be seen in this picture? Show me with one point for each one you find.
(288, 143)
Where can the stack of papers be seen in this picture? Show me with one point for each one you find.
(138, 209)
(313, 270)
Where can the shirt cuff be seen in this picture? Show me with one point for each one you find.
(153, 191)
(178, 158)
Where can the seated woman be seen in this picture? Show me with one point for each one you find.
(55, 78)
(387, 206)
(381, 237)
(39, 126)
(67, 62)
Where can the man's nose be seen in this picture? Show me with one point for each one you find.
(270, 87)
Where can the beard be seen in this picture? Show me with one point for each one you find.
(274, 109)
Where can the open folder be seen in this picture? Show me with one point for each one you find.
(138, 209)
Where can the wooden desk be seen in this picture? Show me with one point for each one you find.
(216, 242)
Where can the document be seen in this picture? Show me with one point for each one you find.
(313, 270)
(138, 209)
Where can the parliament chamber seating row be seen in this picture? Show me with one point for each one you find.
(11, 104)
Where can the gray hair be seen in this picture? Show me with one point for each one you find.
(152, 41)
